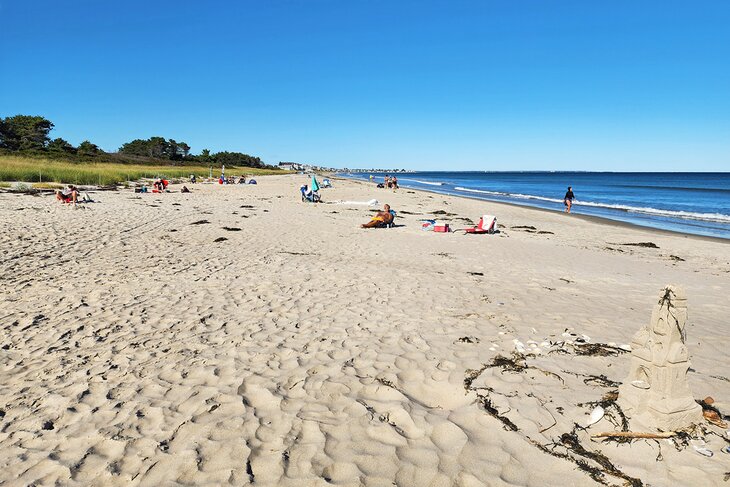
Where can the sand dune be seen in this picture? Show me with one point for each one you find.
(139, 348)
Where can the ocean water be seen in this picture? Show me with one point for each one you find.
(693, 203)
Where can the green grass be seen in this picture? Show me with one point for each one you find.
(13, 168)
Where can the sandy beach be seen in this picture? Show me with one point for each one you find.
(237, 336)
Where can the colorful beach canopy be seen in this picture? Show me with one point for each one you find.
(315, 184)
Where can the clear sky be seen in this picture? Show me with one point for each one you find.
(447, 85)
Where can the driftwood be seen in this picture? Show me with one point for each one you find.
(633, 434)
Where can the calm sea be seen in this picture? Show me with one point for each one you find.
(696, 203)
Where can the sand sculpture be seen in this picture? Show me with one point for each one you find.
(656, 394)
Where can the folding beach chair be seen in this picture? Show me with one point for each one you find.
(487, 224)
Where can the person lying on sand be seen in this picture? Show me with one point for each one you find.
(380, 219)
(68, 195)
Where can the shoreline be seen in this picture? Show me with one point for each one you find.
(591, 218)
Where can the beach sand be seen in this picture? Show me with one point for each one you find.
(236, 335)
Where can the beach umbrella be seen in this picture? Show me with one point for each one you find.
(315, 185)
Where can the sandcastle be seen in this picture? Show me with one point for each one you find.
(656, 394)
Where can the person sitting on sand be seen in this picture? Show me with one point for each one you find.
(394, 182)
(68, 195)
(184, 189)
(568, 200)
(380, 219)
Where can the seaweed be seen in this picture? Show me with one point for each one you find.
(575, 451)
(676, 258)
(571, 442)
(648, 245)
(489, 407)
(515, 364)
(600, 380)
(608, 402)
(597, 349)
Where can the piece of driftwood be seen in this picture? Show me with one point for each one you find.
(633, 434)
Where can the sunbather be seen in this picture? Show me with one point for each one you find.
(381, 218)
(68, 195)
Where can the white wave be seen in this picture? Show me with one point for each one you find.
(687, 215)
(432, 183)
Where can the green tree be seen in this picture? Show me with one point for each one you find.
(137, 147)
(157, 147)
(86, 148)
(237, 159)
(61, 146)
(25, 132)
(184, 149)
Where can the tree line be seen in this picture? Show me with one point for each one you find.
(30, 135)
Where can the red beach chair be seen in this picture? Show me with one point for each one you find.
(487, 224)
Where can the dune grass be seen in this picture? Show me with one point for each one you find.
(13, 168)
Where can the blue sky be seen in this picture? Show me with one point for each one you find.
(533, 84)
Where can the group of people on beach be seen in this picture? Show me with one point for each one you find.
(231, 180)
(160, 185)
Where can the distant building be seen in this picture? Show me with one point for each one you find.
(291, 166)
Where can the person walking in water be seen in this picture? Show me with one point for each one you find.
(568, 200)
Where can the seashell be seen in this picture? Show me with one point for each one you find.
(545, 344)
(595, 416)
(586, 338)
(726, 450)
(709, 400)
(624, 346)
(492, 349)
(703, 451)
(727, 433)
(640, 384)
